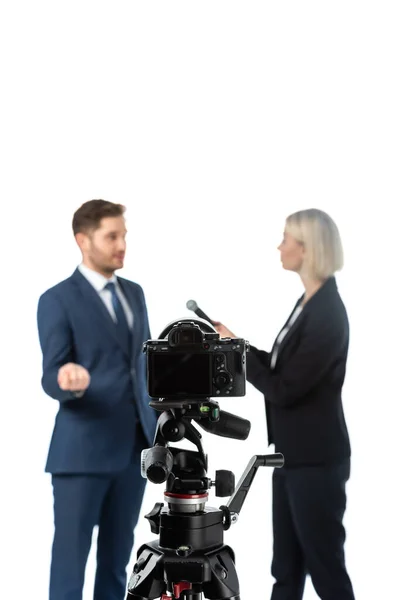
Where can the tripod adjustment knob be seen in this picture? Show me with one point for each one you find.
(153, 517)
(156, 463)
(224, 483)
(139, 565)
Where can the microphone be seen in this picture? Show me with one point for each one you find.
(192, 305)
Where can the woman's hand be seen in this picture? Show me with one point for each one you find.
(223, 331)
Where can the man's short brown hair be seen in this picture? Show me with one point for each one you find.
(90, 214)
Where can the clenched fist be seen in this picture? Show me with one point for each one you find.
(73, 378)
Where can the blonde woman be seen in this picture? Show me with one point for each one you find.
(301, 379)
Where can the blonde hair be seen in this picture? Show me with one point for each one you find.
(319, 234)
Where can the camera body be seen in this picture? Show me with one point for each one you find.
(191, 361)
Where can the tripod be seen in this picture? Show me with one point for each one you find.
(190, 560)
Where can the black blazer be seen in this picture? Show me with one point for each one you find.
(303, 393)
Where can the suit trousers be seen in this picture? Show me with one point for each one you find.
(308, 507)
(111, 501)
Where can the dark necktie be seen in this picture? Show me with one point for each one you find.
(123, 331)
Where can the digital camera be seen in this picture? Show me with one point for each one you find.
(191, 361)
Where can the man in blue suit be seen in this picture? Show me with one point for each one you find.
(91, 329)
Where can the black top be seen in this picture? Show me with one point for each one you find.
(303, 393)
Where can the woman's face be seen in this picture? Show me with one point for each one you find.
(292, 253)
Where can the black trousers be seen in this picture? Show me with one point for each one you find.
(308, 507)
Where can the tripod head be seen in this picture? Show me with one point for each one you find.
(190, 560)
(185, 471)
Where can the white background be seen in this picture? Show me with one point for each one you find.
(211, 121)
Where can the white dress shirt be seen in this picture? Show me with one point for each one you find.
(99, 282)
(283, 334)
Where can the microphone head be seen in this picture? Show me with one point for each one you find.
(192, 305)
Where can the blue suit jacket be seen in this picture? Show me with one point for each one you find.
(95, 433)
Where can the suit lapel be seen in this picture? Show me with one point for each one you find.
(100, 311)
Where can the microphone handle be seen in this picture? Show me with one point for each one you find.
(203, 315)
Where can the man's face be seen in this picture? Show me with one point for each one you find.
(104, 248)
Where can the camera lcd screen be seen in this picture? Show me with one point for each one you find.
(179, 374)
